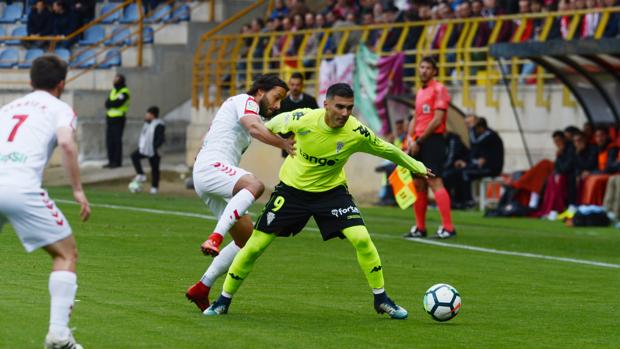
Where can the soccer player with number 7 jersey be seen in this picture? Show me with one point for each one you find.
(30, 129)
(313, 184)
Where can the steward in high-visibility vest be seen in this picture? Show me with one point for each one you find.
(117, 105)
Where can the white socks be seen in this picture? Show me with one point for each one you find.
(236, 208)
(62, 286)
(220, 264)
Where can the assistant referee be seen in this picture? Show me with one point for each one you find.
(427, 144)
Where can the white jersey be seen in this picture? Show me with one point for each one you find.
(227, 138)
(28, 137)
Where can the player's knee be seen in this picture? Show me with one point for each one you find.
(255, 186)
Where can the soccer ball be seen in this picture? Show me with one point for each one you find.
(442, 302)
(134, 187)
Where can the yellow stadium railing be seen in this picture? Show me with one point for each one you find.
(135, 34)
(226, 63)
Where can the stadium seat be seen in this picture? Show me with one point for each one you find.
(161, 14)
(182, 13)
(130, 14)
(112, 59)
(63, 54)
(31, 55)
(93, 35)
(18, 31)
(120, 36)
(24, 18)
(9, 58)
(113, 17)
(85, 59)
(2, 33)
(148, 36)
(12, 13)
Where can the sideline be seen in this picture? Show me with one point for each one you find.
(421, 241)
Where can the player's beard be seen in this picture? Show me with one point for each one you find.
(264, 109)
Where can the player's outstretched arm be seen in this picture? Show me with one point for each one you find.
(258, 130)
(70, 162)
(376, 146)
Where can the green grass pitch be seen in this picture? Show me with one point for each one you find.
(135, 266)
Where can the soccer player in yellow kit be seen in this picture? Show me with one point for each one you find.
(313, 184)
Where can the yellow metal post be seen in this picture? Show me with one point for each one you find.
(140, 32)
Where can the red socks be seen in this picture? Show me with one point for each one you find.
(419, 210)
(443, 204)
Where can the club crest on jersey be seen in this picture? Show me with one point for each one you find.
(426, 108)
(251, 106)
(270, 217)
(339, 147)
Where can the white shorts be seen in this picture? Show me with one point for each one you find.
(214, 182)
(34, 216)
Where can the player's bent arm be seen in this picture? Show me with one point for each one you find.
(257, 130)
(69, 151)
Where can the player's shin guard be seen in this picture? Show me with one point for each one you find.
(245, 259)
(236, 208)
(367, 255)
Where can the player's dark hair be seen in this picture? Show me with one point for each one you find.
(297, 75)
(47, 72)
(430, 60)
(267, 83)
(482, 122)
(153, 110)
(340, 90)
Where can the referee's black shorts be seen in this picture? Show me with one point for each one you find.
(289, 210)
(433, 153)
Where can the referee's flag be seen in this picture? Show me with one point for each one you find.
(402, 183)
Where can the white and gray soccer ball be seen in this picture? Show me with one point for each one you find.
(134, 187)
(442, 302)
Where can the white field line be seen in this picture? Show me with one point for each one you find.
(422, 241)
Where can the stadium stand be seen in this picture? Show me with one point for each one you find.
(31, 55)
(112, 59)
(17, 32)
(9, 58)
(93, 36)
(12, 13)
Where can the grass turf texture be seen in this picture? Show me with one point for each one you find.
(135, 267)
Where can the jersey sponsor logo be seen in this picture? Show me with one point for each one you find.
(270, 217)
(426, 109)
(304, 132)
(362, 130)
(251, 107)
(14, 157)
(316, 160)
(340, 212)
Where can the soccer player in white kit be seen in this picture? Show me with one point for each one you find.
(227, 189)
(30, 129)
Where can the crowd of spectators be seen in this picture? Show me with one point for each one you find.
(585, 172)
(58, 18)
